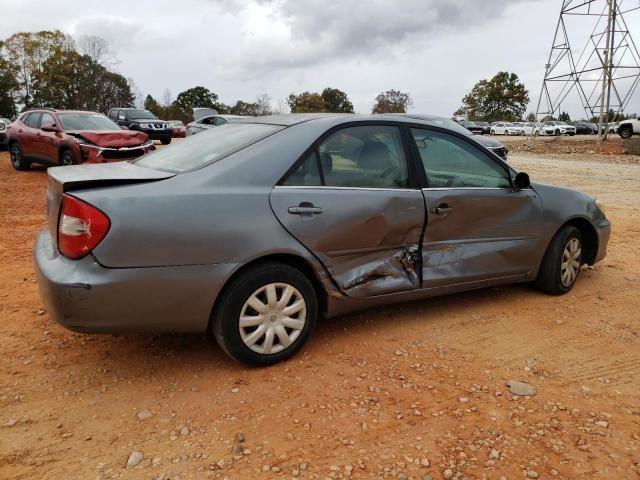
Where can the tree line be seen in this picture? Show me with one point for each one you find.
(51, 69)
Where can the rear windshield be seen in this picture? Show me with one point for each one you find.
(206, 147)
(84, 121)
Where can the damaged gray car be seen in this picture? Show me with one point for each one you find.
(254, 230)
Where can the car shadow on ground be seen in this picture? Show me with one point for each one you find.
(174, 354)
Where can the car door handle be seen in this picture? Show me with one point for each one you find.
(305, 208)
(442, 209)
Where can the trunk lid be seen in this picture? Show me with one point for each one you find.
(75, 177)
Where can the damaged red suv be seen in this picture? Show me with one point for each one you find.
(68, 137)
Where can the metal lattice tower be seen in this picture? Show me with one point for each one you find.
(606, 73)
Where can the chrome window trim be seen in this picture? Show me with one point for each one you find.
(506, 189)
(327, 187)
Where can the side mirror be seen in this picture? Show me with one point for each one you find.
(49, 128)
(521, 181)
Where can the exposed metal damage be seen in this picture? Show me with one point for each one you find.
(385, 272)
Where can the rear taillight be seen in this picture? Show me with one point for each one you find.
(81, 227)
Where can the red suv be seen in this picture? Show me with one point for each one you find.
(67, 137)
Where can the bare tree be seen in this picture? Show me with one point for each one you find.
(137, 93)
(97, 48)
(167, 98)
(264, 104)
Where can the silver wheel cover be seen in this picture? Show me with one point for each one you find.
(272, 318)
(570, 263)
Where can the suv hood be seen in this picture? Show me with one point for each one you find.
(114, 139)
(487, 141)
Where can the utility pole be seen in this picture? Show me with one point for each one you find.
(605, 93)
(605, 74)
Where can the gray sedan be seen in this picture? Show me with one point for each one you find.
(254, 230)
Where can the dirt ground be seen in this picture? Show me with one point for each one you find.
(415, 391)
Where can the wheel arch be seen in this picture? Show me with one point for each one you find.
(589, 237)
(295, 261)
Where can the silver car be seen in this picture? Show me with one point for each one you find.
(207, 118)
(254, 230)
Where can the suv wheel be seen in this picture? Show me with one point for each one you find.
(17, 158)
(265, 314)
(625, 132)
(67, 157)
(561, 263)
(165, 140)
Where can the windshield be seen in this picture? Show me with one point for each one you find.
(86, 121)
(140, 114)
(206, 147)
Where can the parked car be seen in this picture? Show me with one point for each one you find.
(585, 128)
(489, 143)
(203, 123)
(254, 230)
(68, 137)
(531, 128)
(557, 128)
(142, 120)
(178, 130)
(628, 128)
(473, 127)
(505, 128)
(4, 124)
(486, 127)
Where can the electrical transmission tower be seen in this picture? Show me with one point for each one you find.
(605, 74)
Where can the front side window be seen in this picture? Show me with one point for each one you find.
(360, 157)
(220, 121)
(451, 162)
(33, 120)
(47, 119)
(208, 121)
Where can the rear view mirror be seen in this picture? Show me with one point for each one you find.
(49, 128)
(521, 181)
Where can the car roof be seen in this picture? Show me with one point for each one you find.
(53, 110)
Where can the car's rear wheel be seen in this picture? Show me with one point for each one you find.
(165, 140)
(18, 160)
(67, 157)
(265, 314)
(625, 132)
(561, 263)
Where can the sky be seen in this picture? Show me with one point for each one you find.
(436, 50)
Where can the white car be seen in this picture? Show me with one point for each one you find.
(4, 126)
(531, 128)
(558, 128)
(506, 128)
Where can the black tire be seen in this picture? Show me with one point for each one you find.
(67, 157)
(625, 132)
(165, 140)
(18, 160)
(226, 317)
(572, 134)
(549, 278)
(492, 132)
(558, 133)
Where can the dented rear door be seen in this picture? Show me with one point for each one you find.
(367, 238)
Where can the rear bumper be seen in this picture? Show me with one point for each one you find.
(84, 296)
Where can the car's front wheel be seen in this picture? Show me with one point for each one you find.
(18, 160)
(625, 132)
(67, 157)
(561, 263)
(265, 314)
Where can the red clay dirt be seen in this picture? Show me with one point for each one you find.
(401, 392)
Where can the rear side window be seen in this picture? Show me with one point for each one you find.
(369, 156)
(206, 147)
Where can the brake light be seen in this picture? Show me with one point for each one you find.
(81, 227)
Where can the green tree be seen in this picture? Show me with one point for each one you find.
(198, 97)
(245, 108)
(27, 53)
(564, 117)
(306, 102)
(336, 101)
(392, 101)
(503, 97)
(531, 117)
(8, 88)
(153, 106)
